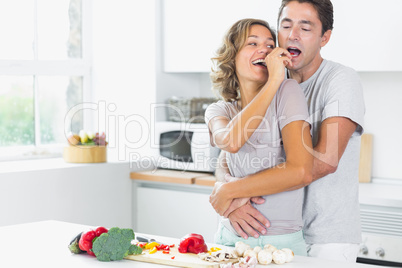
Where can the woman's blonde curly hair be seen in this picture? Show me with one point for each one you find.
(223, 77)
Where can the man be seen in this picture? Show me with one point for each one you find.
(336, 106)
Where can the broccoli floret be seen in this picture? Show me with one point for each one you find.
(134, 250)
(115, 245)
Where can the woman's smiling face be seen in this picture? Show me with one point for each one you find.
(250, 60)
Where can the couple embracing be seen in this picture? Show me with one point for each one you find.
(292, 110)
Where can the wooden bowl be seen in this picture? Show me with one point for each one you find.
(84, 154)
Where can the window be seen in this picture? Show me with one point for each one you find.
(44, 72)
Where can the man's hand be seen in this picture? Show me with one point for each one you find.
(247, 220)
(218, 199)
(239, 202)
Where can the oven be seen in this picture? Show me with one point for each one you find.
(381, 235)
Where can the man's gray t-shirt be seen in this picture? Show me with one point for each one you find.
(331, 205)
(264, 149)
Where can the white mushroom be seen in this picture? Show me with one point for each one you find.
(257, 249)
(279, 256)
(264, 256)
(289, 254)
(203, 255)
(270, 247)
(250, 252)
(238, 243)
(240, 248)
(248, 261)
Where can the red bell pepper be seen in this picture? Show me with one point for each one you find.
(193, 243)
(163, 247)
(100, 230)
(142, 244)
(87, 239)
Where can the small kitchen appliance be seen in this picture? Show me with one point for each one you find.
(184, 146)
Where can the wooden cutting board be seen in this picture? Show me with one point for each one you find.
(180, 259)
(366, 151)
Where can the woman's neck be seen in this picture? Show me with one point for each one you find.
(247, 94)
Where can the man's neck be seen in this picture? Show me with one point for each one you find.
(303, 74)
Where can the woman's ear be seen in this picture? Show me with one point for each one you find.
(325, 37)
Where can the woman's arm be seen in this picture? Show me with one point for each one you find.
(222, 167)
(295, 173)
(232, 135)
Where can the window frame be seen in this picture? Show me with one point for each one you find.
(71, 67)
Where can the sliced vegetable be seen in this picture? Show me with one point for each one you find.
(192, 243)
(163, 247)
(142, 244)
(151, 245)
(153, 250)
(214, 249)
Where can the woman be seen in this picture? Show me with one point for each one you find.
(260, 124)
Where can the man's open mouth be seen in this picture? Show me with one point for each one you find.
(294, 51)
(260, 62)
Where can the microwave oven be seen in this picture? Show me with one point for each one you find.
(184, 146)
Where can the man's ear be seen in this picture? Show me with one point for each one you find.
(325, 37)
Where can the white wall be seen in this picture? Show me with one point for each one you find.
(383, 95)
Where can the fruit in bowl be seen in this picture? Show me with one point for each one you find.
(87, 138)
(85, 147)
(73, 139)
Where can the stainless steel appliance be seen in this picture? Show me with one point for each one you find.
(382, 235)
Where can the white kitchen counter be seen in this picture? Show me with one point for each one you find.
(44, 244)
(379, 194)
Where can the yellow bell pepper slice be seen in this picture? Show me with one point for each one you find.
(213, 249)
(151, 245)
(152, 251)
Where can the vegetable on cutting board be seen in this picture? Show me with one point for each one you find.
(192, 243)
(266, 255)
(115, 245)
(154, 247)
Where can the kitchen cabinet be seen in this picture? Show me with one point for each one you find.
(174, 203)
(365, 33)
(193, 30)
(175, 213)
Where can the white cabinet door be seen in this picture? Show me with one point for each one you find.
(193, 30)
(366, 35)
(173, 213)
